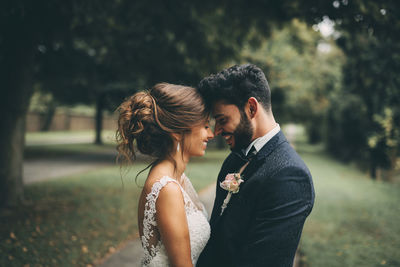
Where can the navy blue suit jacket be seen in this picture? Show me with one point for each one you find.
(262, 223)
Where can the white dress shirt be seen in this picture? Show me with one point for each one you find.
(259, 142)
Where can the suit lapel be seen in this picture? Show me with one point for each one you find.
(267, 149)
(234, 165)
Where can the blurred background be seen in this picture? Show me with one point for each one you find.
(333, 68)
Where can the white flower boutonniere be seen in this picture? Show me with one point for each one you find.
(231, 184)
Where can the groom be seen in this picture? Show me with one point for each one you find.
(262, 223)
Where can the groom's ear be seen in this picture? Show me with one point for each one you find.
(252, 106)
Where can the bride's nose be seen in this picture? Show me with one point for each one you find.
(210, 134)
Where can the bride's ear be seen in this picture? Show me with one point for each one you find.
(177, 137)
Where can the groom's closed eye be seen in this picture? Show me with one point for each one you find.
(221, 121)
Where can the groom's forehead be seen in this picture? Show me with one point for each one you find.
(221, 109)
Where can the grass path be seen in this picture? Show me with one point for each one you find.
(355, 220)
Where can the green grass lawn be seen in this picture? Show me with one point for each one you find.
(355, 220)
(77, 220)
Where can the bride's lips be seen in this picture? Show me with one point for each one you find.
(205, 145)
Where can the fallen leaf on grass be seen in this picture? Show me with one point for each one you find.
(12, 235)
(85, 249)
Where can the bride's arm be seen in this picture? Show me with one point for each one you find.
(172, 224)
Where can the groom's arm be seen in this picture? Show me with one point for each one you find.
(284, 202)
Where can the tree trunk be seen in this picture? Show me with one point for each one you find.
(11, 164)
(48, 116)
(373, 168)
(13, 107)
(99, 118)
(16, 70)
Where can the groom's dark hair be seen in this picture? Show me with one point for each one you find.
(235, 85)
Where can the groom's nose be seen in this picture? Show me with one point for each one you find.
(217, 129)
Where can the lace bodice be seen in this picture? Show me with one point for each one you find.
(199, 228)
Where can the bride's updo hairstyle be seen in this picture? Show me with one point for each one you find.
(148, 118)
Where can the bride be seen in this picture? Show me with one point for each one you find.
(170, 124)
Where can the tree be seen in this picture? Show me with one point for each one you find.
(370, 86)
(301, 75)
(91, 45)
(80, 50)
(23, 24)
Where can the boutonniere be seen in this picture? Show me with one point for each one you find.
(232, 185)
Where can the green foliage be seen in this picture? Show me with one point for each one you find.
(301, 75)
(117, 47)
(370, 41)
(346, 129)
(40, 102)
(389, 135)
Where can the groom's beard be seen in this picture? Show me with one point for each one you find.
(243, 133)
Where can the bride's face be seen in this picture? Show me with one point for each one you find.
(196, 141)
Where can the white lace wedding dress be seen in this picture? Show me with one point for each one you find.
(199, 228)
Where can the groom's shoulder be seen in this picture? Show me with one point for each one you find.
(283, 156)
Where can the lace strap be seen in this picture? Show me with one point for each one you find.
(151, 198)
(149, 220)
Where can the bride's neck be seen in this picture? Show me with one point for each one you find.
(181, 162)
(175, 167)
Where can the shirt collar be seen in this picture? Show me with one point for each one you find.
(259, 142)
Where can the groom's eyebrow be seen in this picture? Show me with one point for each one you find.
(216, 116)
